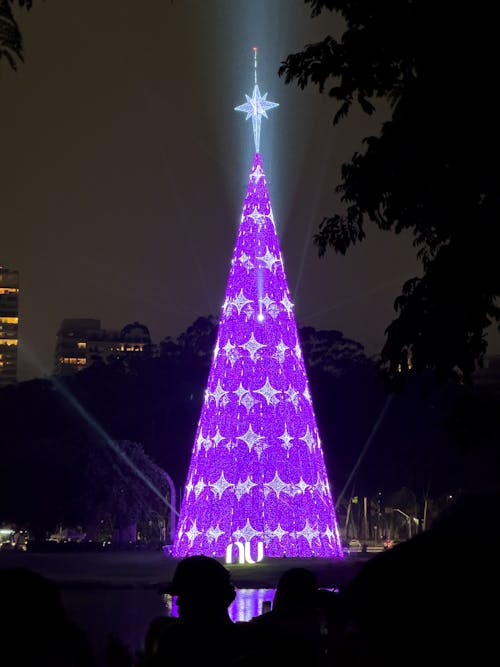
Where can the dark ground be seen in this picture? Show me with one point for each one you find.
(151, 569)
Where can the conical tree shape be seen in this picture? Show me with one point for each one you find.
(257, 472)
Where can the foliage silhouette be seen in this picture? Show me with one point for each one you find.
(54, 446)
(11, 41)
(434, 169)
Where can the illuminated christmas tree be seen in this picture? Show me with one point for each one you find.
(257, 473)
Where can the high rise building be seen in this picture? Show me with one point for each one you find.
(257, 483)
(82, 341)
(9, 325)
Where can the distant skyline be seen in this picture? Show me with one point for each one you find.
(124, 169)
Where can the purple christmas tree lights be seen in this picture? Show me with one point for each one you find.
(257, 473)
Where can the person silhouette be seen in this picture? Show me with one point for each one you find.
(204, 632)
(294, 626)
(36, 630)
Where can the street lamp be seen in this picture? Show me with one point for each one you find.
(172, 504)
(407, 517)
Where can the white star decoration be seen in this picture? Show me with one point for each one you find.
(266, 302)
(287, 439)
(281, 348)
(220, 485)
(240, 392)
(193, 533)
(189, 486)
(277, 485)
(199, 487)
(269, 393)
(256, 107)
(287, 304)
(258, 218)
(240, 301)
(270, 260)
(328, 533)
(248, 401)
(257, 174)
(252, 346)
(322, 486)
(302, 485)
(231, 352)
(207, 444)
(243, 488)
(277, 532)
(218, 437)
(250, 437)
(202, 441)
(248, 310)
(247, 532)
(245, 397)
(308, 438)
(274, 310)
(292, 396)
(309, 532)
(246, 261)
(218, 394)
(259, 447)
(229, 445)
(213, 533)
(228, 347)
(253, 441)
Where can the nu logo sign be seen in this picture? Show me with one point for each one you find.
(244, 555)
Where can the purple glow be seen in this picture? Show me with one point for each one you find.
(257, 472)
(247, 604)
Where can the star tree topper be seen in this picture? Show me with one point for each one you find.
(256, 106)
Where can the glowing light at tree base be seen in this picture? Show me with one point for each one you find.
(257, 476)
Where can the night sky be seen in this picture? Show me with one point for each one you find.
(124, 169)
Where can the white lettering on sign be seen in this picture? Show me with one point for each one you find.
(244, 554)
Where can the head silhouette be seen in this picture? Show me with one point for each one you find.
(296, 589)
(203, 588)
(36, 626)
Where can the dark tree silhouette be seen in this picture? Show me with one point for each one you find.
(434, 170)
(57, 434)
(11, 41)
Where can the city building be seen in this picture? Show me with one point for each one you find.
(9, 325)
(80, 342)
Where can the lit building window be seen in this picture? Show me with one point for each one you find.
(9, 290)
(8, 341)
(9, 320)
(82, 345)
(73, 361)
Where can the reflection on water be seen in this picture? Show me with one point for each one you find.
(248, 603)
(127, 613)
